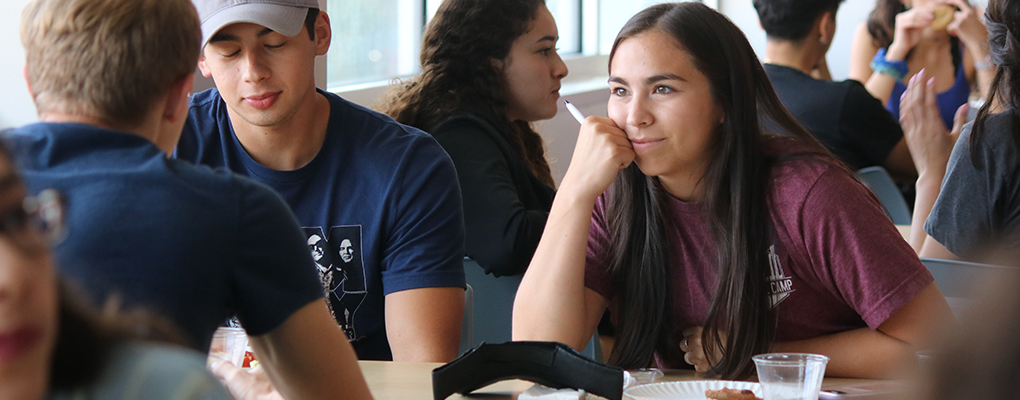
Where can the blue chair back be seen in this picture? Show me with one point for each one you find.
(494, 302)
(878, 180)
(957, 280)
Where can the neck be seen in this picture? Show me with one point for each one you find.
(289, 144)
(148, 129)
(688, 185)
(795, 55)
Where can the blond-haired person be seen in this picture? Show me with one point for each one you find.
(110, 79)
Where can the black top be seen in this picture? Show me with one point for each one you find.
(847, 119)
(505, 204)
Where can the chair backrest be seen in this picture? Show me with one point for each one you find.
(878, 180)
(494, 300)
(960, 281)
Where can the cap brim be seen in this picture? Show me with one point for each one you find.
(285, 20)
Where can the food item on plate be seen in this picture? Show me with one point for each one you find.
(943, 16)
(731, 394)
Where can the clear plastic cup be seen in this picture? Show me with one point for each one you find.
(790, 376)
(229, 344)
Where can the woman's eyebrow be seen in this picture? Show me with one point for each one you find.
(663, 77)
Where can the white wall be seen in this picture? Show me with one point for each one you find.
(16, 106)
(850, 14)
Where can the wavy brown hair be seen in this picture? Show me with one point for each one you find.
(736, 185)
(461, 43)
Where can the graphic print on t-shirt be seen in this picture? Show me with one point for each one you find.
(339, 260)
(780, 285)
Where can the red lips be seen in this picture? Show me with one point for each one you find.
(262, 101)
(15, 343)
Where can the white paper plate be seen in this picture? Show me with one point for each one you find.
(684, 390)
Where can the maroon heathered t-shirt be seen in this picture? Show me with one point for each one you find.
(839, 263)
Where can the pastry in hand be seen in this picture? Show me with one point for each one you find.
(943, 17)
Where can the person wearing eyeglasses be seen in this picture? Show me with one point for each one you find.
(190, 243)
(51, 345)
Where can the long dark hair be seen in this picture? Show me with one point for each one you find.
(1003, 19)
(736, 185)
(86, 336)
(460, 45)
(882, 21)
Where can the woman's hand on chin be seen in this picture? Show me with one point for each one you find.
(602, 150)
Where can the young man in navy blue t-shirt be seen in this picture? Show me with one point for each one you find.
(378, 201)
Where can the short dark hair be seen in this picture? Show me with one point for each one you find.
(792, 19)
(313, 14)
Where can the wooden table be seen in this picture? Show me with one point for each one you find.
(413, 381)
(905, 231)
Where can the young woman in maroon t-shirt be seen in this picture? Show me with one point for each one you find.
(687, 99)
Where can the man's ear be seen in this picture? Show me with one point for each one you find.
(176, 105)
(826, 27)
(323, 33)
(206, 72)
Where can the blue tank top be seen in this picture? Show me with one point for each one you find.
(948, 101)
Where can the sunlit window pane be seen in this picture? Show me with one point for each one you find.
(613, 14)
(373, 40)
(568, 21)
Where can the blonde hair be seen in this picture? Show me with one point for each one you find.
(107, 59)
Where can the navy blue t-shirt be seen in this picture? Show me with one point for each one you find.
(193, 244)
(380, 206)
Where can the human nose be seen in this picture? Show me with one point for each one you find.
(560, 69)
(638, 114)
(254, 67)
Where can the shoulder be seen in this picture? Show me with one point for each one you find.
(997, 143)
(799, 173)
(863, 36)
(350, 117)
(375, 139)
(207, 115)
(158, 371)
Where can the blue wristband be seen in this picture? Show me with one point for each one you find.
(898, 70)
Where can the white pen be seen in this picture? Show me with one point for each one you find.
(574, 111)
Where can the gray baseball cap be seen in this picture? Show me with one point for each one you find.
(283, 16)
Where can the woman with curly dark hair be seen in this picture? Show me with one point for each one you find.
(489, 70)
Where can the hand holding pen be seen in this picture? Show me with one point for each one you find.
(601, 151)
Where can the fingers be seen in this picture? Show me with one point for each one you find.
(691, 345)
(959, 120)
(224, 370)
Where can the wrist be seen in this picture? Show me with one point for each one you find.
(896, 52)
(880, 64)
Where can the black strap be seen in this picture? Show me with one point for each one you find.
(555, 365)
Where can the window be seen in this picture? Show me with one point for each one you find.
(373, 40)
(613, 15)
(380, 40)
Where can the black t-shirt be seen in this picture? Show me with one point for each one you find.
(847, 119)
(980, 208)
